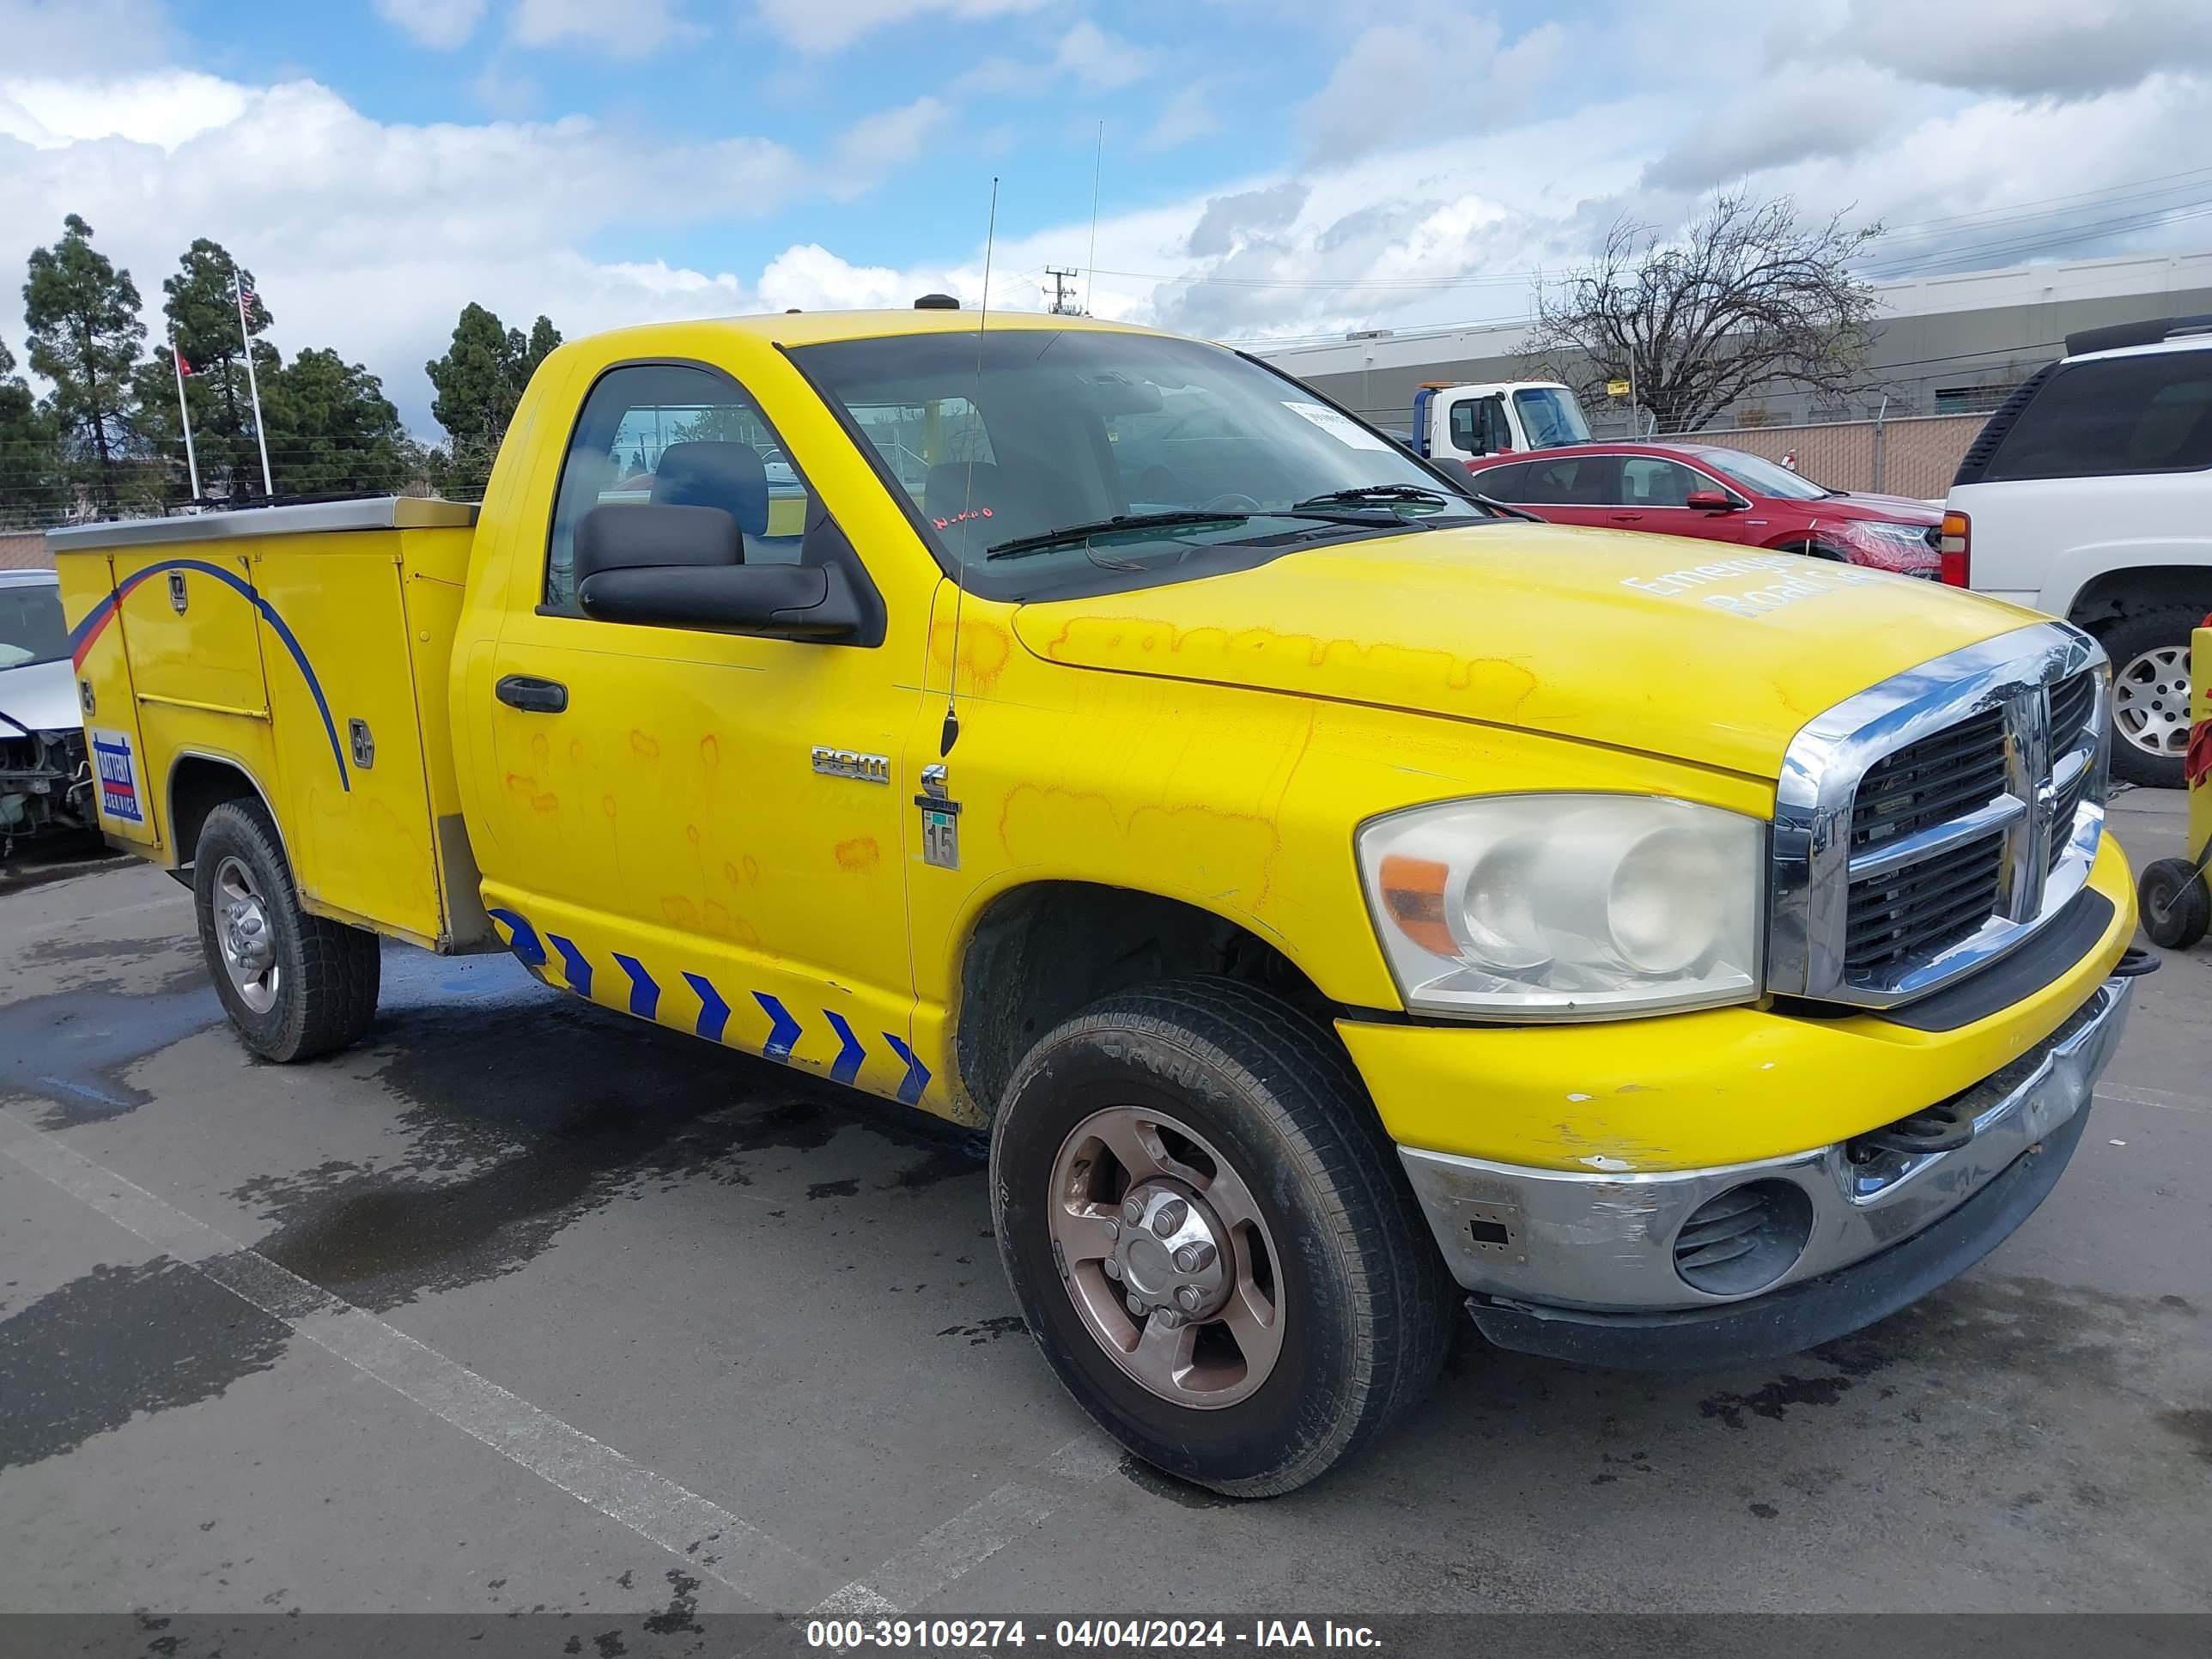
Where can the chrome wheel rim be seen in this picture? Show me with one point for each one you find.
(245, 938)
(1163, 1251)
(2150, 701)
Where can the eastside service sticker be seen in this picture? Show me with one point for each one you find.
(118, 775)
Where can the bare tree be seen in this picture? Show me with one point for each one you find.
(1747, 301)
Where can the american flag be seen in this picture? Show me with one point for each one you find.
(247, 297)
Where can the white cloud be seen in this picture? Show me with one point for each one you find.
(1101, 59)
(97, 37)
(875, 144)
(370, 237)
(629, 29)
(1190, 113)
(833, 25)
(1828, 109)
(1433, 67)
(165, 110)
(440, 25)
(2026, 48)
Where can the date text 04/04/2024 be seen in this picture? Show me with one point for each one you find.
(847, 1634)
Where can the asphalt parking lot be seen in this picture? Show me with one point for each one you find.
(525, 1305)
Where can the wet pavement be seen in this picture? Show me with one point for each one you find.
(522, 1305)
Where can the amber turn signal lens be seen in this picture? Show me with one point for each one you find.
(1414, 893)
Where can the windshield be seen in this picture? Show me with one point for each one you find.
(1222, 463)
(31, 628)
(1550, 415)
(1762, 477)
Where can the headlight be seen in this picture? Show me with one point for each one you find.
(1566, 906)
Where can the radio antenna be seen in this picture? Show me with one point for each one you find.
(1091, 268)
(952, 733)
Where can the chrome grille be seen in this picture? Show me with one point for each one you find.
(2073, 702)
(1927, 825)
(1931, 782)
(1915, 911)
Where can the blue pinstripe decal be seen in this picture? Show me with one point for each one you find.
(644, 989)
(574, 965)
(784, 1031)
(917, 1074)
(524, 943)
(850, 1054)
(713, 1012)
(97, 619)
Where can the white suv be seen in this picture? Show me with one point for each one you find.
(2089, 496)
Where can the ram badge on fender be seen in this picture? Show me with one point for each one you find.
(1339, 899)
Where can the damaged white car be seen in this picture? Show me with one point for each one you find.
(45, 785)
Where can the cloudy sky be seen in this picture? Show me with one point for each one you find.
(1272, 168)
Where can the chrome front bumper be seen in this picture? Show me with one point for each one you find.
(1605, 1242)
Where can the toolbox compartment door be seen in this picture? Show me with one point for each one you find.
(356, 806)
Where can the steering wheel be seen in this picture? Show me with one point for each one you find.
(1233, 501)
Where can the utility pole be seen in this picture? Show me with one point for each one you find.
(1063, 302)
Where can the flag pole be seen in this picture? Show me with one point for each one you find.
(252, 385)
(184, 413)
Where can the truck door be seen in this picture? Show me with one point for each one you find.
(1479, 426)
(663, 836)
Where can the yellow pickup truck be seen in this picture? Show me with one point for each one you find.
(1324, 886)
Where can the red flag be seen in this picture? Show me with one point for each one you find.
(183, 367)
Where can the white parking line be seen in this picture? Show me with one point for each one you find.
(968, 1539)
(2157, 1097)
(708, 1537)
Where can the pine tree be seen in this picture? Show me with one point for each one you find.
(30, 453)
(479, 381)
(82, 315)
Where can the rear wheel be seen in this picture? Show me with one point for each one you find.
(2149, 651)
(295, 985)
(2176, 907)
(1211, 1239)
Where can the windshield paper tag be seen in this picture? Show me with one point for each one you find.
(119, 776)
(1348, 433)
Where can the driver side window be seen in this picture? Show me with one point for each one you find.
(675, 434)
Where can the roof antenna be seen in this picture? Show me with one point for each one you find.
(952, 733)
(1091, 268)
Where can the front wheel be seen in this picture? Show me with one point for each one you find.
(295, 985)
(1211, 1239)
(2176, 908)
(2149, 651)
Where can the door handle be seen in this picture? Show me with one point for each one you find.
(532, 695)
(1627, 518)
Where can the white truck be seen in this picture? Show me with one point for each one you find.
(2088, 494)
(1463, 422)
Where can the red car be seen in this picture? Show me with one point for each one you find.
(1716, 495)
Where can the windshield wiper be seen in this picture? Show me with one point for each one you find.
(1018, 545)
(1380, 492)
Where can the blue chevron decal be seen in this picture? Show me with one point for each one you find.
(784, 1031)
(713, 1012)
(850, 1056)
(574, 964)
(644, 989)
(524, 943)
(917, 1074)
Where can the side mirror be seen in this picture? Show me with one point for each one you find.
(791, 601)
(634, 535)
(1711, 501)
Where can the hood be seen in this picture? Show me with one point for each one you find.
(1897, 509)
(42, 696)
(1692, 652)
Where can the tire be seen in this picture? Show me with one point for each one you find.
(2176, 909)
(317, 990)
(2148, 695)
(1363, 1308)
